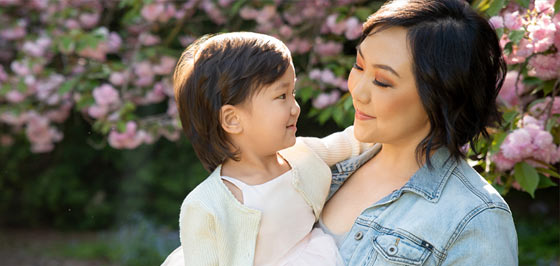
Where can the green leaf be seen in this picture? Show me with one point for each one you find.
(305, 93)
(532, 81)
(516, 35)
(236, 6)
(338, 115)
(545, 182)
(363, 13)
(548, 171)
(527, 177)
(121, 126)
(510, 116)
(67, 86)
(67, 44)
(523, 3)
(325, 115)
(495, 7)
(499, 32)
(347, 105)
(556, 7)
(85, 101)
(508, 48)
(497, 142)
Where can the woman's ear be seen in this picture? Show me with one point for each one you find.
(230, 119)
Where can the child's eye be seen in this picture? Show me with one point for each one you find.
(357, 67)
(380, 84)
(294, 93)
(283, 96)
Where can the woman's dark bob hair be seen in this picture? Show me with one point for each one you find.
(222, 69)
(457, 64)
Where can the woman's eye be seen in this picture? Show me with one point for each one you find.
(380, 84)
(357, 67)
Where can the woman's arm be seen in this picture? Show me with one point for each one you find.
(197, 236)
(489, 238)
(336, 147)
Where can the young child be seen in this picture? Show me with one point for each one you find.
(236, 99)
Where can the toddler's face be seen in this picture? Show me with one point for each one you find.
(269, 118)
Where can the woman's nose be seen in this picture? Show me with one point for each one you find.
(360, 91)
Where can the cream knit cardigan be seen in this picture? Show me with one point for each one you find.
(216, 229)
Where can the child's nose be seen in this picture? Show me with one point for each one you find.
(295, 109)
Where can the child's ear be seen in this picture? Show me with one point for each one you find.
(230, 119)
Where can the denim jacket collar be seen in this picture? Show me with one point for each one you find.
(429, 183)
(426, 182)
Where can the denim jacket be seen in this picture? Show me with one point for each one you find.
(448, 215)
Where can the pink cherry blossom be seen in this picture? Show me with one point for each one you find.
(541, 32)
(41, 134)
(72, 24)
(98, 111)
(508, 93)
(61, 114)
(13, 119)
(129, 139)
(105, 95)
(148, 39)
(165, 66)
(248, 13)
(117, 78)
(15, 96)
(114, 42)
(98, 53)
(89, 20)
(544, 6)
(353, 28)
(186, 40)
(334, 26)
(513, 21)
(502, 163)
(20, 68)
(167, 14)
(545, 66)
(152, 11)
(225, 3)
(329, 48)
(16, 32)
(3, 74)
(286, 31)
(144, 73)
(496, 22)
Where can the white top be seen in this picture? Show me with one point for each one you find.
(286, 218)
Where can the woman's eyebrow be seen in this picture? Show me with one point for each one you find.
(385, 67)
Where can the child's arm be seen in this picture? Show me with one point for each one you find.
(197, 235)
(336, 147)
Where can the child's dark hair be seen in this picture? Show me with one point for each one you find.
(217, 70)
(457, 64)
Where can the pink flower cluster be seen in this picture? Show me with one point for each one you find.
(106, 99)
(529, 143)
(509, 94)
(542, 32)
(129, 139)
(326, 99)
(327, 77)
(351, 27)
(540, 110)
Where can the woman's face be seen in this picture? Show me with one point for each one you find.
(383, 88)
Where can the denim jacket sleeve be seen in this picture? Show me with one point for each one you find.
(488, 238)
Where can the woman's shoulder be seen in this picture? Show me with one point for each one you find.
(467, 182)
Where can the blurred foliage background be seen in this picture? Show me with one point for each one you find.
(90, 143)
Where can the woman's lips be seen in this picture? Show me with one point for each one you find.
(361, 116)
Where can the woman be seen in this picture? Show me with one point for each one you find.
(425, 82)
